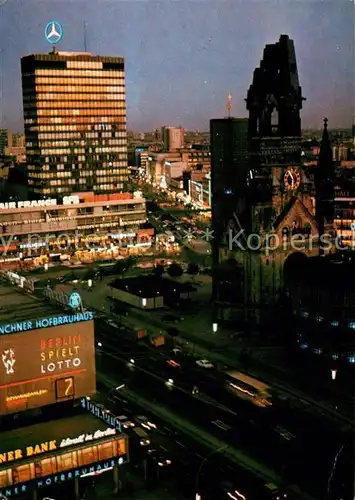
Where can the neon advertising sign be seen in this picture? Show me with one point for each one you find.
(66, 319)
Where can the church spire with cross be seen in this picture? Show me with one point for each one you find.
(325, 153)
(324, 183)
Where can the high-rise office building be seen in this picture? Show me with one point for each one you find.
(173, 137)
(229, 175)
(75, 123)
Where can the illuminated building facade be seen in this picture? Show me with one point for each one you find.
(200, 190)
(344, 220)
(44, 456)
(84, 223)
(322, 294)
(75, 123)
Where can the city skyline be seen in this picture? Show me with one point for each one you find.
(180, 72)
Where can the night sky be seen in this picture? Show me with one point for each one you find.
(183, 57)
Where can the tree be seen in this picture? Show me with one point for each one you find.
(159, 270)
(192, 268)
(175, 271)
(122, 266)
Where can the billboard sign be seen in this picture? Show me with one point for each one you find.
(40, 366)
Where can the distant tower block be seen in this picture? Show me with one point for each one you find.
(229, 104)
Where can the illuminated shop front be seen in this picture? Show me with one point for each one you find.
(51, 453)
(94, 225)
(200, 191)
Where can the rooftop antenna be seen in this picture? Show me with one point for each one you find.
(229, 104)
(85, 42)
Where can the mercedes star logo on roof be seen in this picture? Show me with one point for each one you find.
(53, 32)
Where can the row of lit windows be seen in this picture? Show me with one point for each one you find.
(74, 97)
(349, 233)
(117, 173)
(70, 72)
(81, 159)
(109, 110)
(86, 171)
(108, 187)
(63, 190)
(79, 81)
(77, 136)
(78, 129)
(345, 220)
(112, 89)
(124, 223)
(81, 105)
(44, 171)
(47, 167)
(84, 64)
(92, 144)
(44, 152)
(78, 120)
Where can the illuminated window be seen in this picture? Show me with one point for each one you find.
(352, 325)
(351, 358)
(87, 456)
(67, 461)
(5, 478)
(46, 467)
(106, 450)
(23, 473)
(335, 323)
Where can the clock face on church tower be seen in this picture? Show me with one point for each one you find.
(292, 178)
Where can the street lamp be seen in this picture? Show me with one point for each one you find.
(334, 374)
(214, 327)
(213, 452)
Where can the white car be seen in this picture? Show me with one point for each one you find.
(145, 423)
(204, 363)
(125, 422)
